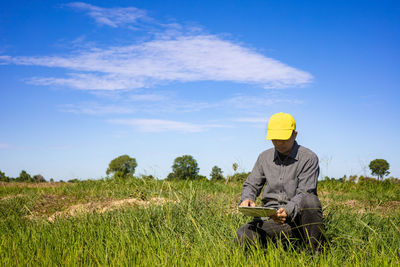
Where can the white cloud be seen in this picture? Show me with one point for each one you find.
(182, 59)
(147, 97)
(172, 53)
(155, 125)
(4, 60)
(164, 103)
(92, 108)
(4, 146)
(256, 122)
(251, 102)
(112, 17)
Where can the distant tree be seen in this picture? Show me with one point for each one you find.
(3, 177)
(147, 177)
(51, 180)
(184, 167)
(238, 177)
(379, 167)
(216, 174)
(38, 178)
(122, 167)
(170, 177)
(24, 177)
(201, 178)
(73, 180)
(235, 166)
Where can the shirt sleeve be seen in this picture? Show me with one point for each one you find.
(308, 179)
(254, 183)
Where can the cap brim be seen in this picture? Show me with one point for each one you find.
(279, 134)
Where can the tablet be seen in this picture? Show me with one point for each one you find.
(257, 211)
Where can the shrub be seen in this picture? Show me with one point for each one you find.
(38, 178)
(365, 180)
(122, 167)
(352, 178)
(379, 167)
(201, 178)
(3, 177)
(216, 174)
(184, 167)
(147, 177)
(238, 177)
(24, 177)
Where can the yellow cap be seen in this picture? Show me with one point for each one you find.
(280, 126)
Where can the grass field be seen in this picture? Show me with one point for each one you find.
(150, 222)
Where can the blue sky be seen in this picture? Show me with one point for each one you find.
(84, 82)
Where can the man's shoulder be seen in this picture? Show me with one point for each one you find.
(267, 153)
(306, 153)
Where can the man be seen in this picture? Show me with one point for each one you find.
(290, 173)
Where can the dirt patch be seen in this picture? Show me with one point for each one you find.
(361, 207)
(356, 206)
(46, 205)
(351, 203)
(34, 185)
(322, 194)
(233, 209)
(388, 207)
(104, 206)
(49, 204)
(10, 197)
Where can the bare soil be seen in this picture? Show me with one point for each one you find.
(35, 185)
(90, 207)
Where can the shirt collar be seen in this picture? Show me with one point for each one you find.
(293, 154)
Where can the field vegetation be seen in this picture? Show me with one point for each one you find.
(151, 222)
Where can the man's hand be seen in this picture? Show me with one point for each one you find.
(280, 216)
(247, 203)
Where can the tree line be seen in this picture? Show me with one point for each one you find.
(183, 168)
(23, 177)
(186, 168)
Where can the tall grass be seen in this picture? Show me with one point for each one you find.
(197, 229)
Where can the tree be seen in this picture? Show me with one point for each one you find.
(122, 167)
(3, 177)
(147, 177)
(238, 177)
(235, 167)
(24, 177)
(216, 174)
(38, 178)
(379, 167)
(184, 167)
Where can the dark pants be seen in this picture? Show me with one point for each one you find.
(307, 226)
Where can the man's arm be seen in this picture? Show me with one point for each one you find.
(308, 179)
(254, 183)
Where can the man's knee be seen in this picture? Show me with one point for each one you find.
(250, 234)
(245, 234)
(310, 202)
(240, 233)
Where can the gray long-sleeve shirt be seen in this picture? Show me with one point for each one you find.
(286, 182)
